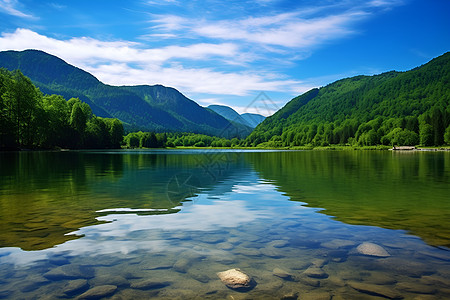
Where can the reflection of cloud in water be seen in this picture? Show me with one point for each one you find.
(252, 189)
(218, 214)
(128, 232)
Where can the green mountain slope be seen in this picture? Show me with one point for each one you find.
(229, 114)
(391, 108)
(253, 119)
(151, 108)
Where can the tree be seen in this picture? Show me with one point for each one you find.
(24, 99)
(426, 135)
(438, 124)
(115, 133)
(7, 125)
(447, 135)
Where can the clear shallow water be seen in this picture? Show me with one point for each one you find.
(163, 223)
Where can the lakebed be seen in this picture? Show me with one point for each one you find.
(132, 224)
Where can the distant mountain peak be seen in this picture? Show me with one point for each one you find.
(143, 107)
(249, 120)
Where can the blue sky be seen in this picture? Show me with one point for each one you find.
(228, 52)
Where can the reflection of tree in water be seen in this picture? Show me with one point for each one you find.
(181, 187)
(43, 195)
(404, 191)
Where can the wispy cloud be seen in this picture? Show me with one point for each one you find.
(288, 30)
(123, 62)
(10, 7)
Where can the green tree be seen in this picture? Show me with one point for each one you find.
(447, 135)
(426, 135)
(116, 132)
(23, 98)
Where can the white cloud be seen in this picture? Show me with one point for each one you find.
(9, 7)
(122, 62)
(287, 30)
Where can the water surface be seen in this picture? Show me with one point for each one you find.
(163, 223)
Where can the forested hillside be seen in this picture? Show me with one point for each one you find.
(151, 108)
(393, 108)
(28, 119)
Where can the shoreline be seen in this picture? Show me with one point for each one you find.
(294, 148)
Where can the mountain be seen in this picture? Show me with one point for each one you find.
(408, 108)
(253, 119)
(247, 119)
(151, 108)
(228, 113)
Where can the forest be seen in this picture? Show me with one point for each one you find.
(31, 120)
(393, 108)
(176, 139)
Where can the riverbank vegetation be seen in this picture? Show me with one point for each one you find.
(31, 120)
(393, 108)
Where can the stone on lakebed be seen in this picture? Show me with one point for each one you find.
(99, 292)
(236, 279)
(372, 249)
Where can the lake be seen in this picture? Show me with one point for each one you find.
(137, 224)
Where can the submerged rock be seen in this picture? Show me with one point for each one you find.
(290, 296)
(414, 287)
(315, 272)
(236, 279)
(70, 272)
(182, 265)
(316, 296)
(282, 274)
(116, 280)
(149, 284)
(75, 286)
(374, 289)
(372, 249)
(99, 292)
(271, 252)
(318, 262)
(405, 267)
(337, 243)
(278, 243)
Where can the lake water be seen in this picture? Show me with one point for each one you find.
(160, 224)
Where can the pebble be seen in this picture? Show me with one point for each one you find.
(116, 280)
(374, 289)
(337, 243)
(290, 296)
(247, 251)
(318, 262)
(278, 243)
(405, 267)
(99, 292)
(75, 286)
(70, 272)
(182, 265)
(315, 272)
(372, 249)
(235, 279)
(282, 274)
(316, 296)
(414, 287)
(225, 246)
(271, 252)
(149, 284)
(309, 281)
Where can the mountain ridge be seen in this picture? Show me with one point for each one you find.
(411, 107)
(127, 103)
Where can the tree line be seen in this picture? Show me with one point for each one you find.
(393, 108)
(429, 129)
(176, 139)
(31, 120)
